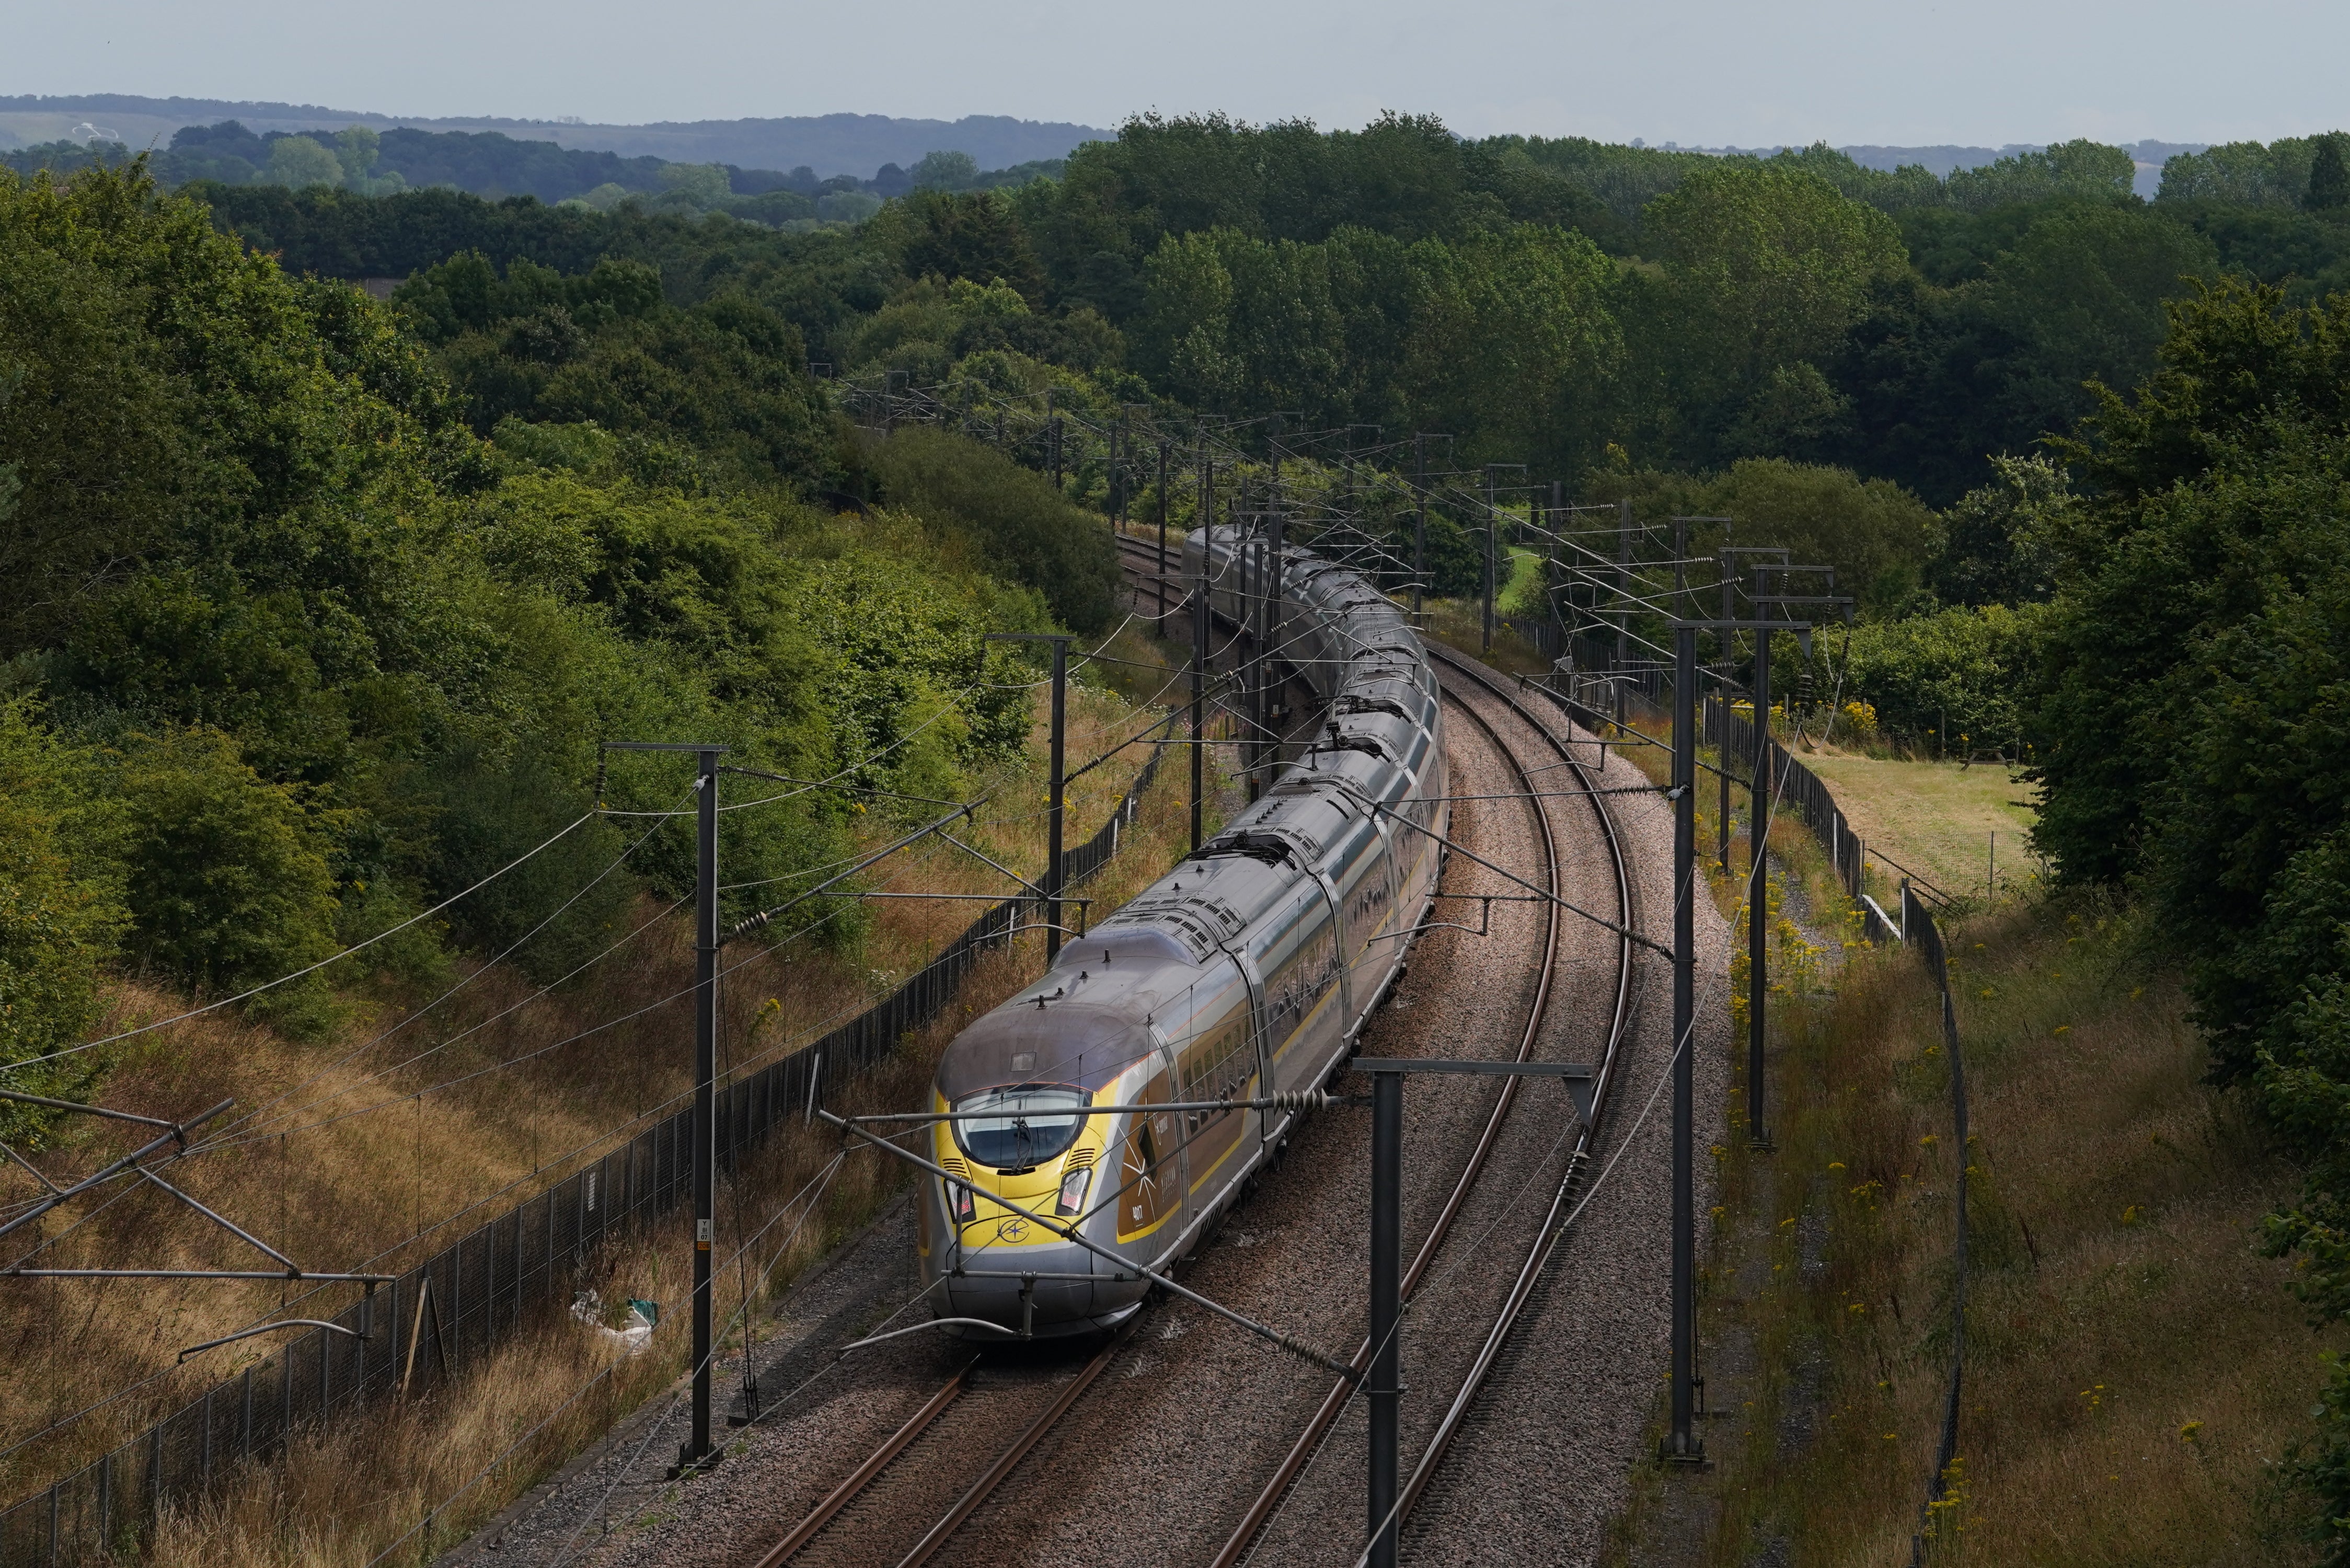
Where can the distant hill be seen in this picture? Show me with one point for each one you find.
(859, 145)
(855, 144)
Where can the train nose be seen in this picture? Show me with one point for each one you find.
(1040, 1292)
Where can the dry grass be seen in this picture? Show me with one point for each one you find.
(2133, 1368)
(458, 1457)
(484, 1119)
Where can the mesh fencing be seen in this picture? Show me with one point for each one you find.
(1643, 695)
(428, 1325)
(1925, 938)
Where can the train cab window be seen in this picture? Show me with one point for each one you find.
(1028, 1125)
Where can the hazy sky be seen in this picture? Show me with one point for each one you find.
(1695, 71)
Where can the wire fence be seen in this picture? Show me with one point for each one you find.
(1633, 696)
(1598, 701)
(1595, 676)
(454, 1309)
(1925, 937)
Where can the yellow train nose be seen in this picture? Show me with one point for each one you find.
(1058, 1187)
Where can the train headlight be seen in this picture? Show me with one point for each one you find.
(964, 1207)
(1073, 1186)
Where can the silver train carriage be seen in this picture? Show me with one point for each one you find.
(1249, 968)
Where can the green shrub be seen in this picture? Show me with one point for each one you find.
(1874, 533)
(555, 910)
(1021, 529)
(60, 915)
(1956, 672)
(224, 873)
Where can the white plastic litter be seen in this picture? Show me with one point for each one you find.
(588, 1308)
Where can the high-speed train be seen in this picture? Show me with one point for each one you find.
(1246, 971)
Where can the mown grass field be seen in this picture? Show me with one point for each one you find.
(1938, 818)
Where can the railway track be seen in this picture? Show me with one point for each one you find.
(1141, 558)
(864, 1520)
(915, 1491)
(1459, 674)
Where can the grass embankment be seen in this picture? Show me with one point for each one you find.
(2133, 1368)
(472, 1109)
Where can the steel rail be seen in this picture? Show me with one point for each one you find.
(1009, 1459)
(973, 1497)
(875, 1463)
(1302, 1452)
(1548, 1235)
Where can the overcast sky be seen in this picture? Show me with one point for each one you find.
(1696, 71)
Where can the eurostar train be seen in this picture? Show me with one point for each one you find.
(1247, 971)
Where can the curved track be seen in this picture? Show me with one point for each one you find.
(1459, 674)
(920, 1486)
(1142, 558)
(1302, 1452)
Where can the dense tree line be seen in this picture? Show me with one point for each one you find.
(1542, 301)
(292, 652)
(2187, 708)
(1697, 333)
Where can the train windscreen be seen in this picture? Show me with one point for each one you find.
(1023, 1127)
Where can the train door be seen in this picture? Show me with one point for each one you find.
(1332, 1016)
(1173, 1131)
(1149, 1191)
(1368, 887)
(1302, 992)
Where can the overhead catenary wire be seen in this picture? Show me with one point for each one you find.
(861, 863)
(683, 992)
(1623, 1145)
(417, 1013)
(556, 1163)
(360, 946)
(393, 1102)
(280, 1133)
(425, 1524)
(1155, 726)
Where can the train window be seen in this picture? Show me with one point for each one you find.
(1028, 1126)
(1218, 1064)
(1301, 981)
